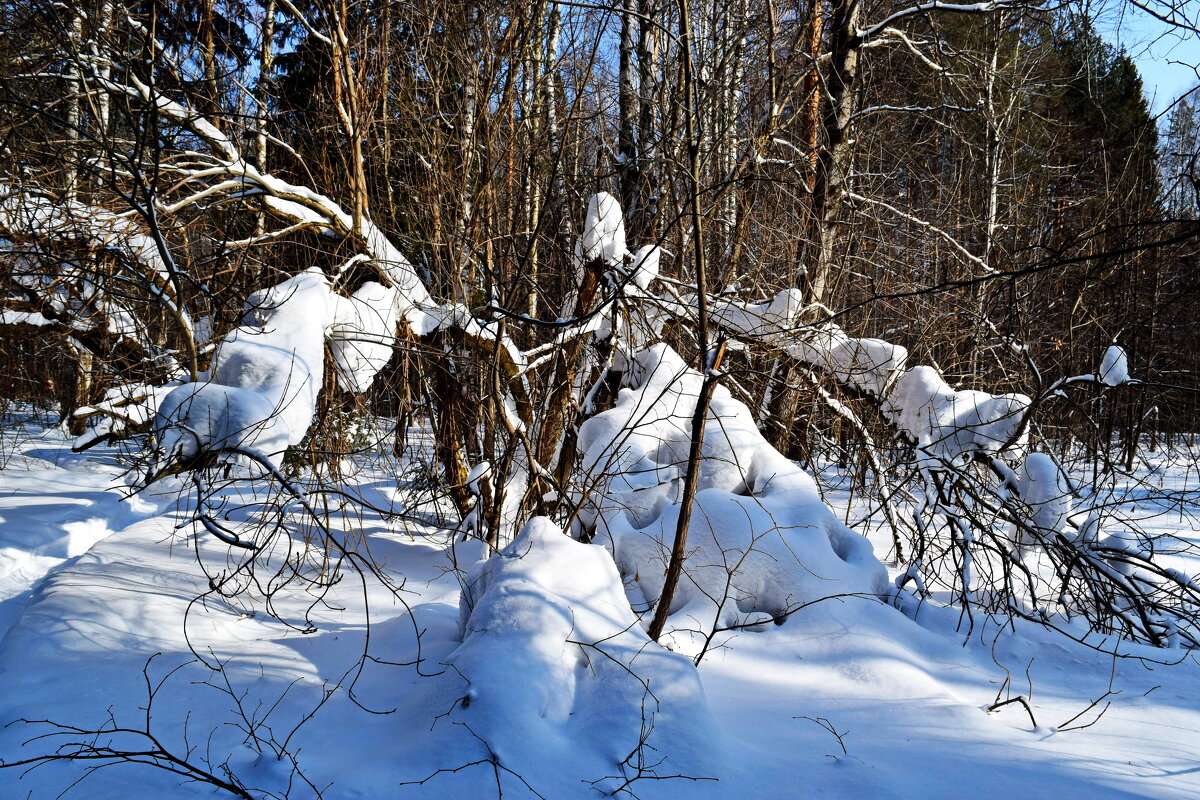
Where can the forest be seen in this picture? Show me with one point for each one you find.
(641, 398)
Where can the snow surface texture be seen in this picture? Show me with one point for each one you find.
(761, 541)
(902, 694)
(552, 652)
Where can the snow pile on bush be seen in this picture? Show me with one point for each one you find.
(559, 671)
(261, 388)
(361, 344)
(950, 423)
(1047, 493)
(761, 541)
(869, 365)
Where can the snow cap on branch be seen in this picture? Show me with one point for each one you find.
(603, 234)
(949, 422)
(1114, 368)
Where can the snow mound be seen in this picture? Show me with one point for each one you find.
(553, 654)
(949, 422)
(761, 542)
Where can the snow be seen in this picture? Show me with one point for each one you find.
(1047, 493)
(950, 423)
(761, 542)
(360, 342)
(603, 235)
(645, 266)
(869, 365)
(907, 697)
(22, 318)
(551, 649)
(759, 319)
(261, 389)
(28, 213)
(1114, 368)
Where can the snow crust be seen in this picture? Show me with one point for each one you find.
(761, 541)
(947, 422)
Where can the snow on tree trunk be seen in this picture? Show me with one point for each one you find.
(761, 542)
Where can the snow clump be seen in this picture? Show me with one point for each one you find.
(603, 234)
(261, 388)
(1047, 493)
(1114, 368)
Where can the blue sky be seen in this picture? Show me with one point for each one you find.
(1167, 59)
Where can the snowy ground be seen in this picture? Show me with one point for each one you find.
(849, 698)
